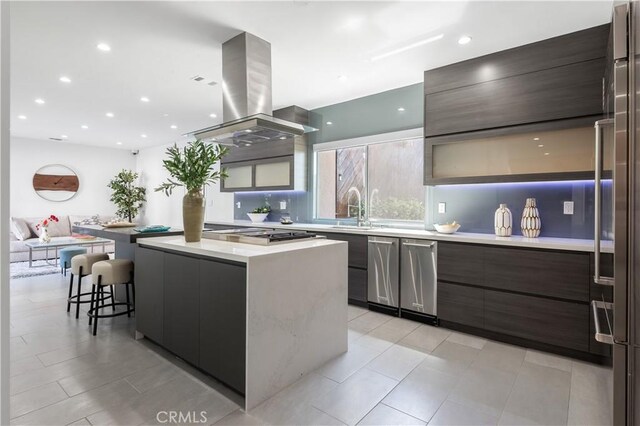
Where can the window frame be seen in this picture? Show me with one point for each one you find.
(364, 141)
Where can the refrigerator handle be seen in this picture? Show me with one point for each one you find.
(597, 278)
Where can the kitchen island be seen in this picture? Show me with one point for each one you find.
(256, 318)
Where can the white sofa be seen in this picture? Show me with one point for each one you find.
(19, 252)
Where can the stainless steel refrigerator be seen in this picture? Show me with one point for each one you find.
(615, 323)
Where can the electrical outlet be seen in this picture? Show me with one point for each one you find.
(442, 207)
(283, 205)
(568, 207)
(238, 204)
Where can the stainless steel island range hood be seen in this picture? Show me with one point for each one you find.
(246, 97)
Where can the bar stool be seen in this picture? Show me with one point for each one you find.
(110, 273)
(81, 266)
(68, 253)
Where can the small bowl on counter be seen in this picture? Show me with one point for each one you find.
(447, 228)
(257, 217)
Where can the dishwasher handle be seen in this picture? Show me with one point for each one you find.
(386, 243)
(431, 245)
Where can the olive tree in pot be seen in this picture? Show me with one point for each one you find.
(192, 167)
(127, 197)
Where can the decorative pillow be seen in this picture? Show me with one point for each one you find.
(60, 228)
(20, 228)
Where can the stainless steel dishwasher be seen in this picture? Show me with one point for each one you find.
(383, 283)
(418, 283)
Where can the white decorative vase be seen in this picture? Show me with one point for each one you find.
(44, 235)
(503, 221)
(257, 217)
(531, 223)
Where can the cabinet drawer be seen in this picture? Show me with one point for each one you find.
(460, 304)
(545, 273)
(460, 263)
(358, 252)
(358, 284)
(554, 322)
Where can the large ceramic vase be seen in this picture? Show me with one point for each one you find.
(193, 216)
(530, 223)
(503, 221)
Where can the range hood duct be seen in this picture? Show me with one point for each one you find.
(246, 97)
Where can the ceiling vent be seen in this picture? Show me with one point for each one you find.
(56, 139)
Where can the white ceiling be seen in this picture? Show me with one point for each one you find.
(158, 46)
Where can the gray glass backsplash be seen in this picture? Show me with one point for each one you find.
(296, 204)
(473, 206)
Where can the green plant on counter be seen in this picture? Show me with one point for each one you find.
(263, 209)
(193, 166)
(398, 208)
(127, 197)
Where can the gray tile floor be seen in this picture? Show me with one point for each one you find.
(396, 372)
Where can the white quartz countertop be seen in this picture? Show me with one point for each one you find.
(239, 252)
(568, 244)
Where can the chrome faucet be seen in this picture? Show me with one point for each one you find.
(361, 221)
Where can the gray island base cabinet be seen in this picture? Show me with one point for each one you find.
(255, 318)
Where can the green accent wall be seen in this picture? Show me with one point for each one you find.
(370, 115)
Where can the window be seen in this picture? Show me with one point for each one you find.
(379, 180)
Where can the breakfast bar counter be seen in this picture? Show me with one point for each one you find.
(256, 318)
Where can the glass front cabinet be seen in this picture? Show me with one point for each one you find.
(271, 174)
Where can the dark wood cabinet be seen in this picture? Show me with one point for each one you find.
(461, 304)
(222, 322)
(461, 263)
(545, 273)
(149, 282)
(558, 323)
(358, 247)
(564, 92)
(358, 285)
(181, 316)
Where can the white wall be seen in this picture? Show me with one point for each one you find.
(94, 166)
(164, 210)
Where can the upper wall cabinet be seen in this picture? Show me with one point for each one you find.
(269, 166)
(553, 79)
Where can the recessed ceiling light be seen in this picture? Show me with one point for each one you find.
(342, 77)
(22, 117)
(540, 146)
(329, 123)
(546, 153)
(408, 47)
(401, 109)
(84, 126)
(109, 114)
(283, 137)
(248, 130)
(39, 101)
(212, 115)
(104, 47)
(143, 135)
(465, 39)
(173, 126)
(118, 143)
(63, 136)
(536, 139)
(144, 99)
(65, 79)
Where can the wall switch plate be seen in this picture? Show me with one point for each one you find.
(442, 207)
(238, 204)
(568, 207)
(283, 205)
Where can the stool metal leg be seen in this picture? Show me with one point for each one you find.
(70, 293)
(113, 299)
(128, 301)
(93, 298)
(101, 296)
(78, 296)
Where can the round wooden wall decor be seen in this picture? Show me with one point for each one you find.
(56, 182)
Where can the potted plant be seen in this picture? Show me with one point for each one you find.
(192, 167)
(259, 214)
(127, 197)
